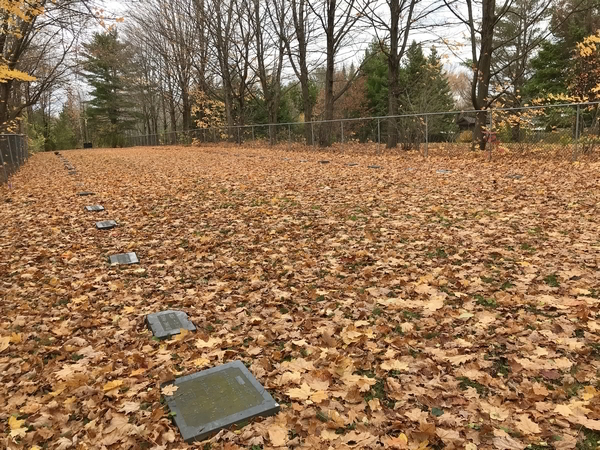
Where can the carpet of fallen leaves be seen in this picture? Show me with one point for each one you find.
(392, 307)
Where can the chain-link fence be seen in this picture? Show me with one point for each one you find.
(567, 131)
(13, 154)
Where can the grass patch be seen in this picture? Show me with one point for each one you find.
(551, 281)
(467, 383)
(486, 302)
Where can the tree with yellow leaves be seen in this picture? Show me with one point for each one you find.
(36, 39)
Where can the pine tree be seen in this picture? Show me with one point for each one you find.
(110, 112)
(425, 89)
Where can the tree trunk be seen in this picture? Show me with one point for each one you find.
(325, 129)
(482, 75)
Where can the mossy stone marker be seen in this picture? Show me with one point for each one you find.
(94, 208)
(106, 225)
(124, 258)
(208, 401)
(444, 171)
(168, 323)
(85, 193)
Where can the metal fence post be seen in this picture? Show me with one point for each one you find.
(289, 136)
(12, 160)
(490, 142)
(312, 132)
(342, 127)
(214, 135)
(2, 161)
(426, 135)
(239, 138)
(378, 134)
(574, 157)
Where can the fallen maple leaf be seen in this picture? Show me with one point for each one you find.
(211, 342)
(527, 426)
(169, 389)
(301, 393)
(112, 385)
(278, 435)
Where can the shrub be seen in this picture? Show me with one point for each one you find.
(465, 137)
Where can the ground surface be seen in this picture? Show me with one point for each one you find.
(384, 308)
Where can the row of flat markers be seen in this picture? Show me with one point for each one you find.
(121, 258)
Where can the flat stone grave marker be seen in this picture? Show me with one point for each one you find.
(94, 208)
(85, 193)
(124, 258)
(304, 160)
(514, 176)
(410, 169)
(106, 224)
(168, 323)
(208, 401)
(72, 172)
(323, 161)
(444, 171)
(352, 164)
(374, 167)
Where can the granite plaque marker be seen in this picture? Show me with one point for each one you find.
(106, 224)
(352, 164)
(304, 160)
(374, 167)
(515, 176)
(444, 171)
(94, 208)
(208, 401)
(85, 193)
(323, 161)
(124, 258)
(168, 323)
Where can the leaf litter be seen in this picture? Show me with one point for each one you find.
(387, 309)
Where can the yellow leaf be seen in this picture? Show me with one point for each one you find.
(15, 423)
(182, 334)
(4, 341)
(201, 362)
(137, 372)
(129, 309)
(112, 385)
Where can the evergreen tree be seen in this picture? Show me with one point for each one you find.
(425, 88)
(375, 69)
(549, 70)
(64, 134)
(110, 111)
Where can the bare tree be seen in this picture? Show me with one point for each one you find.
(337, 19)
(270, 51)
(296, 17)
(392, 25)
(51, 36)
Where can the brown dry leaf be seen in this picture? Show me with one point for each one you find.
(507, 443)
(169, 389)
(527, 426)
(112, 385)
(301, 393)
(210, 343)
(398, 442)
(278, 435)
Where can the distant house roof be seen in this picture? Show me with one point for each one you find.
(465, 120)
